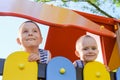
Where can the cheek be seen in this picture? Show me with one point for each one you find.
(22, 40)
(97, 52)
(82, 56)
(40, 39)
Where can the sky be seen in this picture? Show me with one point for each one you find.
(8, 34)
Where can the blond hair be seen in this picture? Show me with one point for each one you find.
(80, 39)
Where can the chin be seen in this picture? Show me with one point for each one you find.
(90, 60)
(31, 45)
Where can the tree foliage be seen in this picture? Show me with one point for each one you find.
(108, 8)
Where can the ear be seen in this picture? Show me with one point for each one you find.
(77, 54)
(18, 41)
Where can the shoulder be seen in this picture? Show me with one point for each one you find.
(45, 55)
(75, 62)
(43, 51)
(78, 63)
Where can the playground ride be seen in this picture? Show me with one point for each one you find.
(16, 66)
(64, 23)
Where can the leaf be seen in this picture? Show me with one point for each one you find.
(75, 0)
(47, 0)
(118, 4)
(64, 0)
(93, 1)
(114, 1)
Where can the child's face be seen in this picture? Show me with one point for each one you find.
(88, 50)
(29, 35)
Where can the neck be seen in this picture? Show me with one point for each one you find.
(85, 62)
(32, 50)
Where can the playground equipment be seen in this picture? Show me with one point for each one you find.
(95, 71)
(16, 66)
(64, 70)
(64, 23)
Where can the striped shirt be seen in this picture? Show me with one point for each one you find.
(79, 64)
(44, 56)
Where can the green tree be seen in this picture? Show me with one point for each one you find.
(108, 8)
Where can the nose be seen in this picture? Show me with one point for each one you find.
(30, 34)
(90, 51)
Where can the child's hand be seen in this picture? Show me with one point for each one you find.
(33, 57)
(107, 68)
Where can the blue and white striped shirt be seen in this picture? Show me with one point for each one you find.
(79, 64)
(44, 56)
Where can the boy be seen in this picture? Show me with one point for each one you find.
(86, 50)
(30, 38)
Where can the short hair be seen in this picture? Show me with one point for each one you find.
(82, 38)
(30, 22)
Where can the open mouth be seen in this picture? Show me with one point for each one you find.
(90, 55)
(30, 39)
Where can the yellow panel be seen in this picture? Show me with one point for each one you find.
(114, 62)
(17, 67)
(95, 71)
